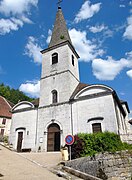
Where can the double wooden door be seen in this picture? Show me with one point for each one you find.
(19, 141)
(53, 139)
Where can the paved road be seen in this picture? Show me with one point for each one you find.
(13, 166)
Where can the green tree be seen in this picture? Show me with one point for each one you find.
(13, 95)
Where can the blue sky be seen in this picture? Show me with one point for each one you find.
(101, 32)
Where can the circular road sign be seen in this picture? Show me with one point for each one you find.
(69, 139)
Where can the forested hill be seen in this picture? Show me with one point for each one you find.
(13, 95)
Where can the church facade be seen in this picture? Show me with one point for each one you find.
(66, 106)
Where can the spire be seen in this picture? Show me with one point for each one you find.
(60, 32)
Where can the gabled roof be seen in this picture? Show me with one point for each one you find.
(60, 32)
(130, 121)
(81, 86)
(35, 102)
(78, 88)
(126, 104)
(5, 108)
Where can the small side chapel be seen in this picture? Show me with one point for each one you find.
(66, 106)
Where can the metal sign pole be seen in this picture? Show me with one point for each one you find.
(70, 152)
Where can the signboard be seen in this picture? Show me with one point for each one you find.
(69, 140)
(41, 139)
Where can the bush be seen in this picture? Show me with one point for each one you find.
(77, 147)
(90, 144)
(4, 139)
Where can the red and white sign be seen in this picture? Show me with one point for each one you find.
(69, 140)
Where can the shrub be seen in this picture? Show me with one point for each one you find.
(77, 147)
(90, 144)
(4, 139)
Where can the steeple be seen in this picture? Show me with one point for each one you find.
(60, 32)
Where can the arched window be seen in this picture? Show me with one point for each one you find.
(54, 58)
(54, 96)
(96, 127)
(72, 60)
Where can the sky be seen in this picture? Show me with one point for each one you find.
(100, 30)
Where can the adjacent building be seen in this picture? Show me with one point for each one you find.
(5, 116)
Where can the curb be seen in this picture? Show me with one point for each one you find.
(6, 147)
(80, 174)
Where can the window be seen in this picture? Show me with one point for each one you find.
(96, 127)
(2, 132)
(4, 121)
(54, 58)
(54, 96)
(72, 60)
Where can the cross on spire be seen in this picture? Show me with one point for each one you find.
(59, 2)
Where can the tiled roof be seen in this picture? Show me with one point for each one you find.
(35, 102)
(126, 104)
(78, 88)
(130, 121)
(60, 31)
(5, 108)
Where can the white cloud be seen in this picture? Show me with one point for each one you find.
(86, 48)
(49, 36)
(97, 28)
(31, 88)
(87, 11)
(16, 13)
(129, 55)
(108, 33)
(26, 20)
(108, 69)
(128, 32)
(122, 6)
(32, 49)
(11, 7)
(7, 25)
(129, 73)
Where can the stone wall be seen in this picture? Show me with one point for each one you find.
(117, 166)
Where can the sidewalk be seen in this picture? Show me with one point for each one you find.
(14, 167)
(43, 159)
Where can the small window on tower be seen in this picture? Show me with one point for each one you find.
(72, 60)
(54, 58)
(54, 96)
(4, 121)
(96, 127)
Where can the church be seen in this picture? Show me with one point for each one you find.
(66, 106)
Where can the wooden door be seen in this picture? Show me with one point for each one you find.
(19, 141)
(53, 139)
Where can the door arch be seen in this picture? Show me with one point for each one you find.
(53, 138)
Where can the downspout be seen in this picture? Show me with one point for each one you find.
(36, 128)
(117, 117)
(71, 117)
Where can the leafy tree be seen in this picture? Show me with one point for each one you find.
(13, 95)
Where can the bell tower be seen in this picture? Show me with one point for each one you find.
(60, 74)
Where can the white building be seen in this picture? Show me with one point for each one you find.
(5, 117)
(66, 106)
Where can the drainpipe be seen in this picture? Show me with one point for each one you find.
(71, 118)
(36, 128)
